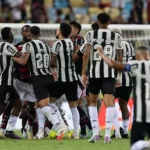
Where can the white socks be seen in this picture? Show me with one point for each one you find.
(94, 119)
(116, 122)
(40, 119)
(57, 112)
(11, 123)
(140, 145)
(125, 124)
(51, 116)
(76, 119)
(109, 120)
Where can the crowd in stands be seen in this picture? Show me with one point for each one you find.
(84, 11)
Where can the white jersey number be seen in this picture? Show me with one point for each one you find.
(42, 60)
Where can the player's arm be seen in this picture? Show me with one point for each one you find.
(23, 59)
(55, 50)
(113, 64)
(79, 53)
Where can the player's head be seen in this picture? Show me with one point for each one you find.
(25, 32)
(7, 35)
(34, 32)
(116, 30)
(142, 53)
(75, 28)
(95, 26)
(103, 19)
(63, 31)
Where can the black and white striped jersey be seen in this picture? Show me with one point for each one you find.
(128, 55)
(141, 89)
(7, 50)
(40, 56)
(111, 43)
(66, 68)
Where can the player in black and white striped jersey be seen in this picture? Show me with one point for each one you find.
(124, 85)
(38, 55)
(62, 51)
(8, 94)
(140, 69)
(101, 76)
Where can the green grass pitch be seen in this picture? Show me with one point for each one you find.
(64, 144)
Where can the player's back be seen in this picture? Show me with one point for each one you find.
(111, 42)
(40, 57)
(66, 67)
(141, 90)
(7, 50)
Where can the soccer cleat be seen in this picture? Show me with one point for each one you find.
(82, 136)
(121, 132)
(70, 134)
(89, 134)
(2, 135)
(24, 133)
(107, 139)
(39, 136)
(30, 134)
(94, 139)
(12, 135)
(61, 133)
(75, 136)
(118, 136)
(125, 136)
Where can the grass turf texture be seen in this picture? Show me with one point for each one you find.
(65, 144)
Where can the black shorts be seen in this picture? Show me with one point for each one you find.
(139, 131)
(8, 94)
(67, 88)
(123, 92)
(106, 85)
(42, 86)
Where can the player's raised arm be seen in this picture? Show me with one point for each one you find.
(113, 64)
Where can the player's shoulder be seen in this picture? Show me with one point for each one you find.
(133, 62)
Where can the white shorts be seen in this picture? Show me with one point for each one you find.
(25, 91)
(81, 89)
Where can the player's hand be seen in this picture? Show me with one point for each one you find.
(84, 80)
(99, 49)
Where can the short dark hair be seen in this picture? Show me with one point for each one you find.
(35, 30)
(95, 26)
(65, 29)
(76, 25)
(25, 26)
(142, 48)
(103, 18)
(5, 33)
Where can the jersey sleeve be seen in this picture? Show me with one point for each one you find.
(88, 37)
(11, 50)
(81, 51)
(131, 66)
(26, 48)
(56, 47)
(119, 45)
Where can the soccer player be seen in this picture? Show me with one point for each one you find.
(124, 85)
(140, 69)
(8, 94)
(38, 55)
(24, 88)
(101, 76)
(62, 51)
(78, 42)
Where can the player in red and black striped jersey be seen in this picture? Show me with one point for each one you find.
(78, 42)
